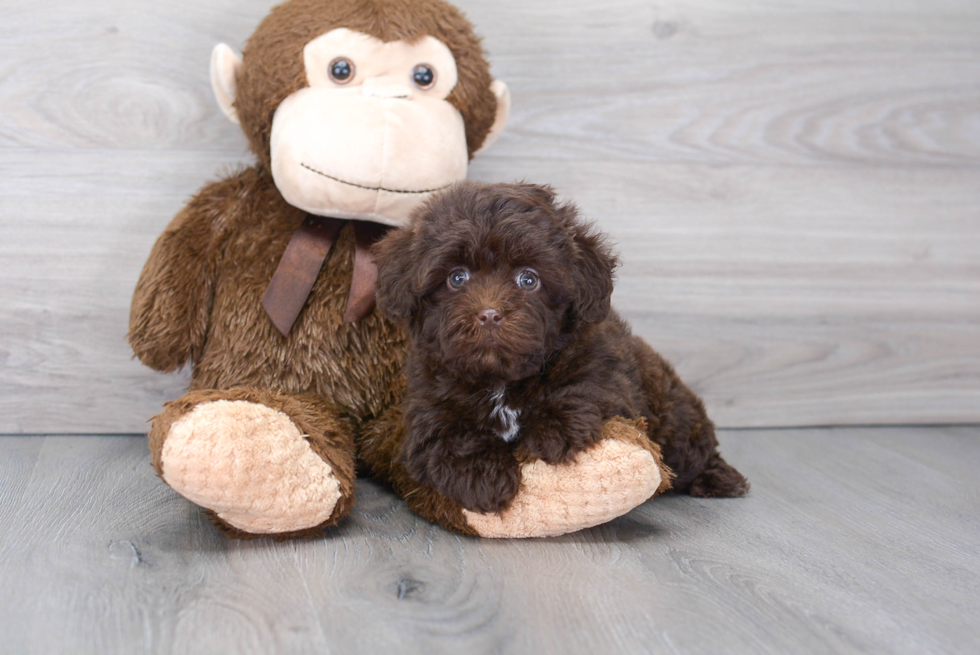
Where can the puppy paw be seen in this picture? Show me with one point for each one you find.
(547, 444)
(557, 438)
(482, 486)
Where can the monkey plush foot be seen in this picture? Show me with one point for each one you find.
(609, 479)
(251, 464)
(621, 471)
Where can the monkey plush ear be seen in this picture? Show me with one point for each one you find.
(503, 113)
(225, 66)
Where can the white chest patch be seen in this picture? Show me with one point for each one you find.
(506, 416)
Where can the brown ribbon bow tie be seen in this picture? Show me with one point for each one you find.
(301, 263)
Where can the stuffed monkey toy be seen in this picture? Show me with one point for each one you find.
(356, 111)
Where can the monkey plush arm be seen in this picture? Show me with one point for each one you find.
(169, 316)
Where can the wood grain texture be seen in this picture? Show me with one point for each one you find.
(794, 190)
(761, 82)
(779, 308)
(870, 546)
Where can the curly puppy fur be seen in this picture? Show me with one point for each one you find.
(514, 349)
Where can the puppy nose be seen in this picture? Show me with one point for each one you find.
(490, 318)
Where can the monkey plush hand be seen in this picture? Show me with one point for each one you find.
(356, 112)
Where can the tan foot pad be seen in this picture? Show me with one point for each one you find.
(251, 466)
(604, 482)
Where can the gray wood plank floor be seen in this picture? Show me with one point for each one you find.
(852, 540)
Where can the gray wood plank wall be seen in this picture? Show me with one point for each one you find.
(795, 188)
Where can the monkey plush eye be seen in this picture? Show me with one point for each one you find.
(424, 76)
(457, 278)
(528, 279)
(341, 70)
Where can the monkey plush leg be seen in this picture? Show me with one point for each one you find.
(609, 479)
(263, 463)
(623, 470)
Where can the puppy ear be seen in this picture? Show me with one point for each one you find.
(396, 293)
(594, 264)
(532, 194)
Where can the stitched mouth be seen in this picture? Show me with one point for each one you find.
(370, 188)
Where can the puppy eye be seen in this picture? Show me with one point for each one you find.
(528, 279)
(424, 76)
(458, 278)
(341, 70)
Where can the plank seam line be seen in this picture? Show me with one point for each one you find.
(850, 426)
(768, 428)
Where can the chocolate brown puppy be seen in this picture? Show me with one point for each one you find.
(515, 352)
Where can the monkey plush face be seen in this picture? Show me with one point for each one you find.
(372, 134)
(369, 125)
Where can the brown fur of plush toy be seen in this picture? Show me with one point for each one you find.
(514, 347)
(199, 298)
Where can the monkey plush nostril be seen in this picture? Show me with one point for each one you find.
(490, 318)
(374, 88)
